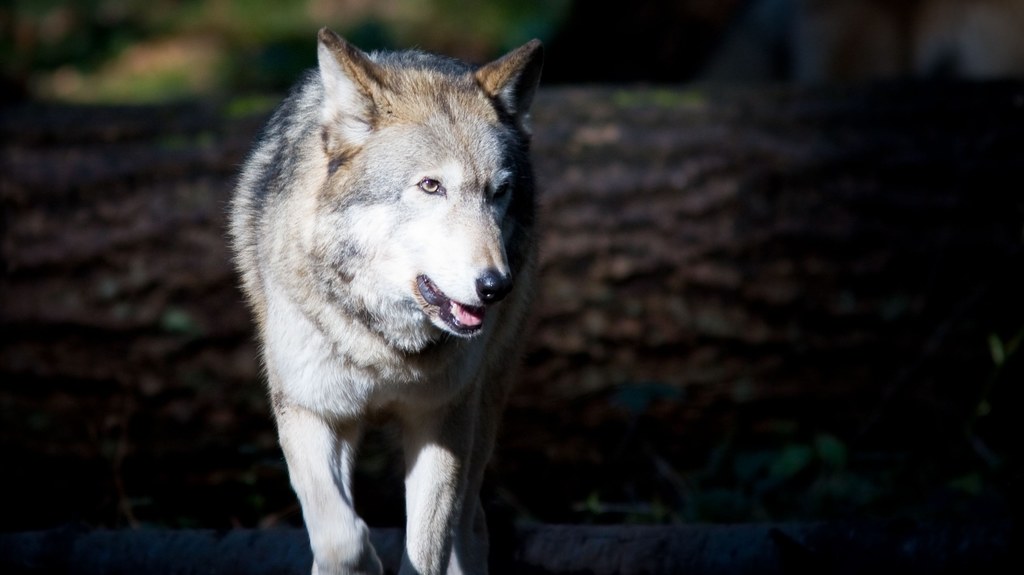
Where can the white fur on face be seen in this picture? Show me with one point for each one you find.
(387, 269)
(454, 237)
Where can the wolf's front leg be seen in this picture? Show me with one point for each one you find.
(470, 548)
(437, 447)
(320, 457)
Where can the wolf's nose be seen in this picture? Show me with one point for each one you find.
(493, 285)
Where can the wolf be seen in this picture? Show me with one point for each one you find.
(383, 226)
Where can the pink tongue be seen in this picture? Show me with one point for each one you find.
(467, 316)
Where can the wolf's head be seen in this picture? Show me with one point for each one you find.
(429, 197)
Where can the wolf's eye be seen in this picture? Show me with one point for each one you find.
(501, 191)
(431, 186)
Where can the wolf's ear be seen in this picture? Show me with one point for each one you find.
(347, 74)
(512, 80)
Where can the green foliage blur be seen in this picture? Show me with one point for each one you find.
(107, 51)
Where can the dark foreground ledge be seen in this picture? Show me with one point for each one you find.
(813, 548)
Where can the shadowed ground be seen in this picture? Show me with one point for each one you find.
(765, 549)
(758, 305)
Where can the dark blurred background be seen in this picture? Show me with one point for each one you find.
(97, 427)
(158, 50)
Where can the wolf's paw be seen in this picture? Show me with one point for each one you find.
(366, 563)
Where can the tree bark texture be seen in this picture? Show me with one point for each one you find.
(712, 260)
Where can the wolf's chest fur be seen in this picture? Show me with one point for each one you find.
(336, 365)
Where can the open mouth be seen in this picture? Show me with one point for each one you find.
(460, 318)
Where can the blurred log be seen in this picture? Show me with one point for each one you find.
(837, 257)
(764, 549)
